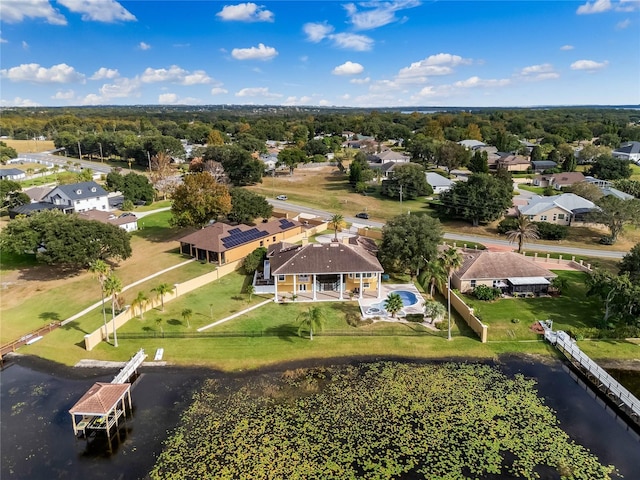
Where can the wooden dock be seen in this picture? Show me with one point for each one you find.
(618, 394)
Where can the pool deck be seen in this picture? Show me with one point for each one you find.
(385, 290)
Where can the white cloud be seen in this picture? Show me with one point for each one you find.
(175, 74)
(348, 68)
(623, 24)
(566, 47)
(543, 71)
(261, 52)
(588, 65)
(64, 95)
(304, 100)
(316, 31)
(218, 91)
(25, 45)
(257, 92)
(15, 11)
(33, 72)
(165, 98)
(173, 99)
(434, 65)
(104, 73)
(381, 13)
(351, 41)
(144, 46)
(245, 12)
(107, 11)
(598, 6)
(627, 5)
(19, 102)
(473, 82)
(2, 40)
(360, 81)
(120, 88)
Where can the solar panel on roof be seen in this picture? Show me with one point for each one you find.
(233, 231)
(284, 223)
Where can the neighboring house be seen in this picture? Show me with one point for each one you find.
(597, 181)
(513, 163)
(616, 193)
(559, 209)
(126, 221)
(558, 180)
(390, 156)
(78, 197)
(542, 165)
(628, 151)
(223, 243)
(270, 161)
(528, 145)
(12, 174)
(472, 144)
(36, 194)
(438, 182)
(510, 272)
(325, 271)
(30, 208)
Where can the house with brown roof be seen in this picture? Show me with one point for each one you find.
(512, 273)
(324, 271)
(126, 221)
(223, 243)
(513, 163)
(558, 180)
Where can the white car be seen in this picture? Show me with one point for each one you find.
(281, 197)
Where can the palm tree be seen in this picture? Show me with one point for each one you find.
(161, 290)
(435, 275)
(393, 304)
(186, 314)
(526, 230)
(337, 222)
(140, 301)
(159, 324)
(312, 318)
(112, 287)
(101, 270)
(559, 284)
(434, 310)
(451, 261)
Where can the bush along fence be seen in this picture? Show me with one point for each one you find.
(94, 338)
(277, 333)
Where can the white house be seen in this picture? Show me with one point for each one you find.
(78, 197)
(559, 209)
(438, 182)
(12, 174)
(628, 151)
(126, 221)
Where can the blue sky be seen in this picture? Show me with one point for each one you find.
(327, 53)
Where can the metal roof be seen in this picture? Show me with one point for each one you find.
(528, 281)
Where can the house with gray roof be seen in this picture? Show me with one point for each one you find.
(512, 273)
(438, 182)
(12, 174)
(559, 209)
(629, 151)
(470, 144)
(78, 197)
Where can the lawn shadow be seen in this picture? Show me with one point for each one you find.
(238, 298)
(50, 316)
(174, 321)
(75, 325)
(283, 332)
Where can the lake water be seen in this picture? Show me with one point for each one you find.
(37, 440)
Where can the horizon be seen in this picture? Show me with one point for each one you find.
(310, 54)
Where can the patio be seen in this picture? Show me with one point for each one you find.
(374, 307)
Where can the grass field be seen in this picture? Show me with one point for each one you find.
(30, 146)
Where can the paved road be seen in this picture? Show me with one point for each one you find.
(47, 158)
(469, 239)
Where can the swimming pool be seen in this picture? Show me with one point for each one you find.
(408, 298)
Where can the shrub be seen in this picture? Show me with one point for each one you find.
(551, 231)
(508, 224)
(414, 317)
(483, 292)
(254, 260)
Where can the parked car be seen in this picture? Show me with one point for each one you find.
(363, 215)
(281, 197)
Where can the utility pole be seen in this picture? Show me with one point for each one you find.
(79, 151)
(149, 160)
(101, 156)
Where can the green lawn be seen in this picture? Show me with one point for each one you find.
(531, 188)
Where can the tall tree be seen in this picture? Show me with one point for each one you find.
(479, 162)
(451, 261)
(187, 313)
(630, 264)
(408, 182)
(246, 206)
(112, 287)
(140, 302)
(434, 275)
(198, 200)
(337, 222)
(608, 168)
(482, 199)
(311, 319)
(101, 270)
(452, 155)
(409, 242)
(525, 230)
(291, 157)
(161, 290)
(615, 213)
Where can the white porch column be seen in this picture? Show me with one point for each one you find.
(341, 292)
(313, 287)
(360, 292)
(379, 283)
(294, 287)
(275, 284)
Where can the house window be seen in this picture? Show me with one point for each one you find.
(555, 217)
(473, 284)
(561, 216)
(543, 218)
(302, 287)
(281, 278)
(262, 243)
(274, 238)
(366, 285)
(303, 278)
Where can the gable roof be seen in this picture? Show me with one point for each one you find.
(107, 217)
(10, 171)
(325, 258)
(78, 191)
(567, 201)
(37, 193)
(221, 237)
(436, 180)
(100, 399)
(565, 178)
(487, 265)
(629, 148)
